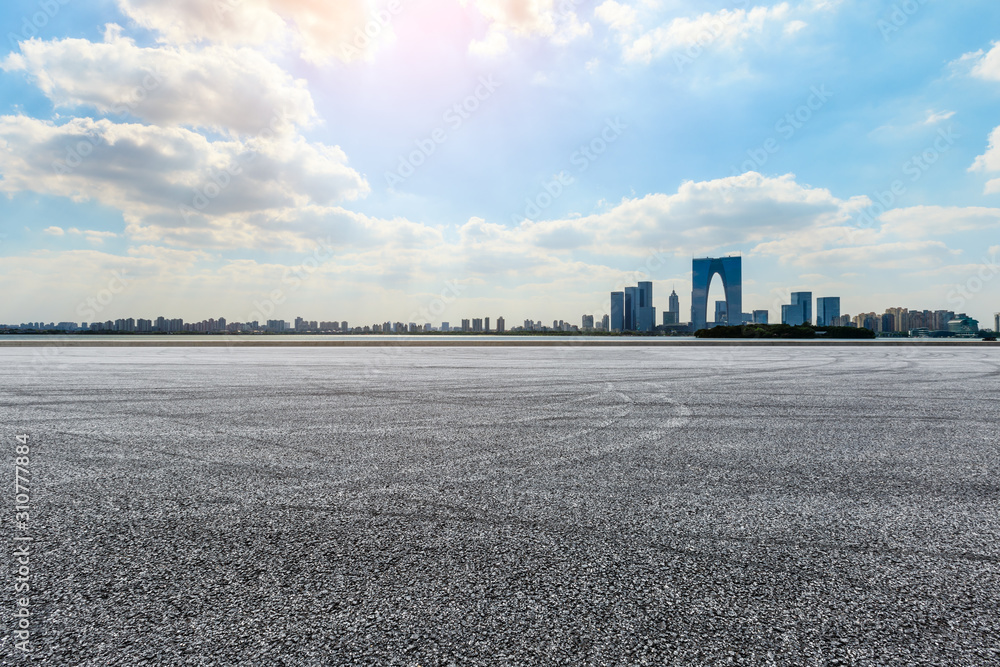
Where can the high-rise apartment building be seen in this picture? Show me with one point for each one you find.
(587, 322)
(501, 325)
(605, 322)
(827, 310)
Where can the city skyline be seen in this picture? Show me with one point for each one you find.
(519, 161)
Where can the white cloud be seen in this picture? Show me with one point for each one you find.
(699, 217)
(94, 237)
(934, 117)
(793, 27)
(616, 15)
(893, 255)
(54, 231)
(171, 177)
(397, 260)
(551, 19)
(220, 88)
(320, 30)
(985, 66)
(726, 27)
(492, 45)
(990, 162)
(924, 221)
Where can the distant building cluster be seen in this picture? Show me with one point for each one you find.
(631, 310)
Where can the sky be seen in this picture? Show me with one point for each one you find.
(434, 160)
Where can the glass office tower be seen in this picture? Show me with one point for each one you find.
(827, 310)
(805, 301)
(617, 322)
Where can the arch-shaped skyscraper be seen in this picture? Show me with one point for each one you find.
(730, 269)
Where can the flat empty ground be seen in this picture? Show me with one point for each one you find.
(497, 506)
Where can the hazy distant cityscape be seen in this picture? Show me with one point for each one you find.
(631, 311)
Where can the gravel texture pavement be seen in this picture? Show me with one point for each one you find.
(492, 506)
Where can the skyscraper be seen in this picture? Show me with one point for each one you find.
(501, 325)
(631, 298)
(799, 311)
(827, 310)
(721, 315)
(675, 306)
(996, 322)
(617, 311)
(645, 314)
(805, 301)
(730, 270)
(760, 317)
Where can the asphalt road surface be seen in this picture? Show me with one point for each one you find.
(492, 506)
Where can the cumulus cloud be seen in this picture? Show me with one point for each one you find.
(54, 231)
(218, 87)
(990, 162)
(985, 65)
(322, 31)
(777, 217)
(616, 15)
(700, 217)
(557, 21)
(171, 176)
(728, 28)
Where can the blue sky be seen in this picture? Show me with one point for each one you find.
(234, 157)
